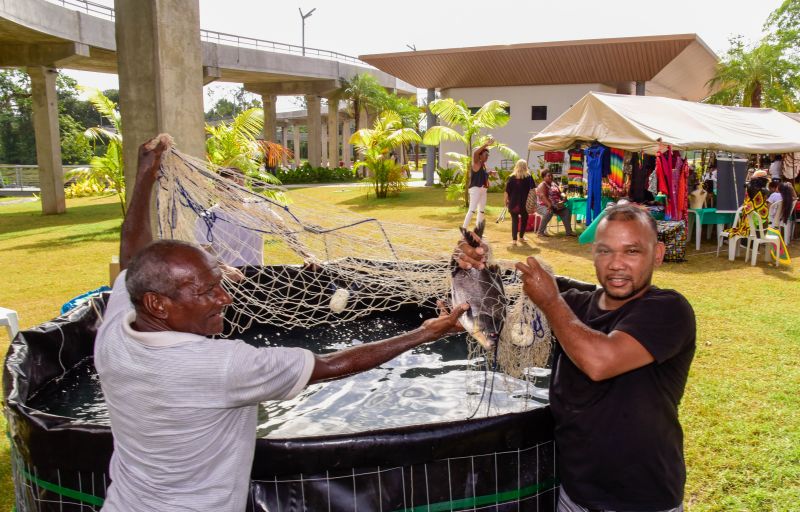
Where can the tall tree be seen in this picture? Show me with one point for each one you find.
(17, 140)
(364, 93)
(784, 23)
(766, 73)
(457, 114)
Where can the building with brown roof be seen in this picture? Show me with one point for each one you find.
(542, 80)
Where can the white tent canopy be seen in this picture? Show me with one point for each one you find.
(638, 123)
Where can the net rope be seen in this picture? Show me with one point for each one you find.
(347, 266)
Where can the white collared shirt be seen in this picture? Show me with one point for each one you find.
(183, 411)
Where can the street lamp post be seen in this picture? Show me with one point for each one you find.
(303, 22)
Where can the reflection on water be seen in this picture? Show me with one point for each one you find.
(433, 383)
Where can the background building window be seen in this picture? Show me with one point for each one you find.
(472, 110)
(539, 113)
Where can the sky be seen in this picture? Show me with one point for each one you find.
(362, 27)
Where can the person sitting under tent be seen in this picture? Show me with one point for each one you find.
(551, 202)
(183, 406)
(619, 370)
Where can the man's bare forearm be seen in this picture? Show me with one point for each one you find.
(585, 346)
(364, 357)
(137, 229)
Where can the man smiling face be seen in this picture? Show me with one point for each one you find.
(626, 250)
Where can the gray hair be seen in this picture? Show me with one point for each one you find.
(152, 269)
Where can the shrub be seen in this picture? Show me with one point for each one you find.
(308, 174)
(448, 176)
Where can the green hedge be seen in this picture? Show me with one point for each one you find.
(308, 174)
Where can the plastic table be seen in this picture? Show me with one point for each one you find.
(707, 217)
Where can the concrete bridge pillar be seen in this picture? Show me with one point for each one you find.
(270, 117)
(48, 141)
(333, 132)
(430, 151)
(296, 141)
(314, 130)
(324, 143)
(284, 141)
(160, 66)
(347, 149)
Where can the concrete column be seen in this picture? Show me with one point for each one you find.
(270, 117)
(333, 133)
(160, 68)
(347, 149)
(48, 141)
(324, 144)
(363, 120)
(284, 141)
(296, 140)
(314, 130)
(430, 151)
(625, 88)
(640, 87)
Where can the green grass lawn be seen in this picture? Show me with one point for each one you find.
(740, 412)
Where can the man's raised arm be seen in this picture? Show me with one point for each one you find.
(136, 228)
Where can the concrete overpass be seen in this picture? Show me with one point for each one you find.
(42, 36)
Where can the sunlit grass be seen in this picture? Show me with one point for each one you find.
(740, 412)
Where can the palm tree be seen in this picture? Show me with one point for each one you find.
(364, 92)
(106, 170)
(458, 115)
(236, 144)
(375, 145)
(761, 76)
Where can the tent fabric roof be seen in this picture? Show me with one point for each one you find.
(677, 65)
(637, 123)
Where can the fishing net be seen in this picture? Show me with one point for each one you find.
(347, 266)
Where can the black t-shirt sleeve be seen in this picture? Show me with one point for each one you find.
(509, 186)
(663, 323)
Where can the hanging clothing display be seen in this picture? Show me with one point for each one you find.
(638, 179)
(575, 172)
(616, 178)
(554, 157)
(594, 171)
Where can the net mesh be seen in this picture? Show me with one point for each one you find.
(347, 266)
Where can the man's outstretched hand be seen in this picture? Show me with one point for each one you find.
(447, 321)
(469, 257)
(537, 282)
(150, 154)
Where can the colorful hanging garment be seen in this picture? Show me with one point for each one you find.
(575, 172)
(594, 171)
(663, 170)
(616, 178)
(554, 157)
(784, 251)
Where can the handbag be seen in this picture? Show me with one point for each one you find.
(531, 202)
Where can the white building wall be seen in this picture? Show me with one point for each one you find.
(518, 131)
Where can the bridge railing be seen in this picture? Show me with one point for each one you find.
(101, 11)
(211, 36)
(23, 177)
(273, 46)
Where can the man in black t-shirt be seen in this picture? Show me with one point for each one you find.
(619, 371)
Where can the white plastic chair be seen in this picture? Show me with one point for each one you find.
(8, 318)
(733, 240)
(761, 238)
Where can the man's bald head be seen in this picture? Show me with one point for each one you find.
(161, 268)
(628, 212)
